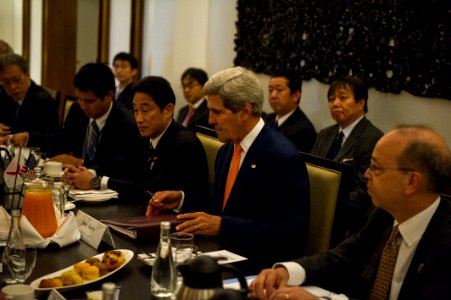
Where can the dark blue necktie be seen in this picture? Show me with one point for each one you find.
(336, 146)
(94, 134)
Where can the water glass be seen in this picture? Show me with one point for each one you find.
(182, 245)
(30, 262)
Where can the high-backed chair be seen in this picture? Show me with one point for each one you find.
(330, 183)
(68, 101)
(58, 100)
(211, 146)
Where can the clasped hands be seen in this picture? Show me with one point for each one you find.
(272, 284)
(197, 223)
(75, 174)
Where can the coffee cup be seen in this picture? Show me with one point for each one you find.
(18, 292)
(54, 168)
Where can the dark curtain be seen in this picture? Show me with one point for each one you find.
(391, 45)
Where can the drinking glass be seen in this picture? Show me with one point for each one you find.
(30, 261)
(182, 245)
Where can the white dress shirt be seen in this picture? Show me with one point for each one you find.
(411, 232)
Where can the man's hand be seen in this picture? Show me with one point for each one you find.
(4, 130)
(268, 281)
(199, 223)
(78, 177)
(67, 159)
(293, 293)
(164, 200)
(20, 139)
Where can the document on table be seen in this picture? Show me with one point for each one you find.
(227, 257)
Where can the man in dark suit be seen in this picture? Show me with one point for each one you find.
(27, 111)
(99, 133)
(264, 213)
(285, 90)
(125, 67)
(410, 167)
(172, 156)
(196, 112)
(348, 103)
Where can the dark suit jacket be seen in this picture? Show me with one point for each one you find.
(351, 267)
(199, 117)
(118, 152)
(267, 214)
(356, 151)
(126, 97)
(38, 115)
(297, 128)
(181, 164)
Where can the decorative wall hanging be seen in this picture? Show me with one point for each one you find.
(392, 45)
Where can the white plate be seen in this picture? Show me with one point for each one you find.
(92, 195)
(35, 284)
(69, 206)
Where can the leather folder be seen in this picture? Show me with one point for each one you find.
(141, 227)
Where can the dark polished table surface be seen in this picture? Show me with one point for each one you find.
(134, 278)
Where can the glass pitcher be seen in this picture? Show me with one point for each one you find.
(38, 205)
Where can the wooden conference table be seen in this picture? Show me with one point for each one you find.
(134, 278)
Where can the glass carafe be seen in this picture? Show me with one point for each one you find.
(38, 206)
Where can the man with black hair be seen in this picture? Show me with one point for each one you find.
(196, 112)
(285, 89)
(99, 133)
(125, 67)
(171, 155)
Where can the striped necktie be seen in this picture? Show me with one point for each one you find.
(94, 134)
(382, 284)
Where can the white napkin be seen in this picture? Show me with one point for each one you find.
(4, 225)
(66, 234)
(93, 195)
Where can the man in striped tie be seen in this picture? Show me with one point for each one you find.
(404, 250)
(99, 134)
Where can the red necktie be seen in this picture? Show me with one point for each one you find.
(233, 171)
(188, 116)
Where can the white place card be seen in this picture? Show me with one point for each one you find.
(93, 231)
(225, 257)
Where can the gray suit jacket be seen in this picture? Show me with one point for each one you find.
(356, 151)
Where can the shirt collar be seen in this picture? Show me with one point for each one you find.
(198, 103)
(412, 229)
(154, 142)
(347, 130)
(282, 119)
(102, 120)
(246, 143)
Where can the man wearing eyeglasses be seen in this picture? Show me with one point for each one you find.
(404, 250)
(30, 113)
(196, 112)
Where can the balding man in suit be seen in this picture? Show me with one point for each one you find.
(404, 250)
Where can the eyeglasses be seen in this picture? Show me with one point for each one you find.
(376, 170)
(12, 80)
(189, 85)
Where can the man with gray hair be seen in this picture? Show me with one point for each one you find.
(29, 114)
(260, 203)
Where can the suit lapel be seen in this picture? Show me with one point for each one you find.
(427, 250)
(247, 169)
(352, 139)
